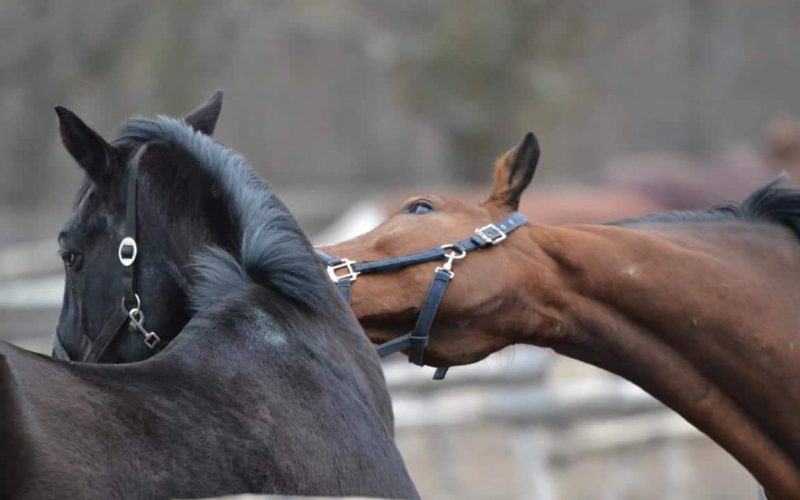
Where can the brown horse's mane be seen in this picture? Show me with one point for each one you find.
(769, 203)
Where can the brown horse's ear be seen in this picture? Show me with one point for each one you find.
(514, 171)
(92, 152)
(204, 118)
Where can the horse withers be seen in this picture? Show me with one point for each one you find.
(698, 308)
(267, 383)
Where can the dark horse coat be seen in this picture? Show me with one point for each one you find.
(270, 387)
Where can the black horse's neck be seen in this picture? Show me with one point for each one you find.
(254, 392)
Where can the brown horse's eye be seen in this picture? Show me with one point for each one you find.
(419, 207)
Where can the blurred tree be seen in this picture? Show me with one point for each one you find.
(52, 48)
(480, 66)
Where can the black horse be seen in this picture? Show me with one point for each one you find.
(178, 212)
(271, 385)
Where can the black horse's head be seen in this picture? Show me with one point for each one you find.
(112, 268)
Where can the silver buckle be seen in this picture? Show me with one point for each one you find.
(347, 264)
(450, 257)
(127, 242)
(481, 232)
(136, 316)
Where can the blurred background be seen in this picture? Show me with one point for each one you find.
(346, 107)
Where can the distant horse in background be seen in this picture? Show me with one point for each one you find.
(269, 387)
(698, 308)
(782, 148)
(678, 183)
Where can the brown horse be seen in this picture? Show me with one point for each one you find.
(698, 308)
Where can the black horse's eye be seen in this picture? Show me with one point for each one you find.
(419, 207)
(69, 258)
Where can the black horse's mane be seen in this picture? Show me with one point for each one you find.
(769, 203)
(273, 250)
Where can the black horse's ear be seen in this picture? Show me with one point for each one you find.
(92, 152)
(204, 118)
(514, 171)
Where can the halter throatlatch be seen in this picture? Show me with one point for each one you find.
(130, 312)
(343, 272)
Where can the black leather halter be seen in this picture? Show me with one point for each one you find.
(130, 313)
(344, 272)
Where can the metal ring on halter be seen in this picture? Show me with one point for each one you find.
(452, 255)
(138, 307)
(127, 260)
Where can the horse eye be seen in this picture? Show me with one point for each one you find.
(419, 207)
(69, 258)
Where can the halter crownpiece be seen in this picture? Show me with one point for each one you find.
(344, 272)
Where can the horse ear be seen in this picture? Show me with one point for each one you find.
(92, 152)
(204, 118)
(514, 171)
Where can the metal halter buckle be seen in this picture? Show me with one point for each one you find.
(450, 257)
(347, 264)
(136, 317)
(485, 233)
(127, 260)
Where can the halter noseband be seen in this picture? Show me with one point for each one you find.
(130, 312)
(343, 272)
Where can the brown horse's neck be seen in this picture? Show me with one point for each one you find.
(701, 316)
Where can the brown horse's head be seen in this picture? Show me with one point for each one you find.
(466, 328)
